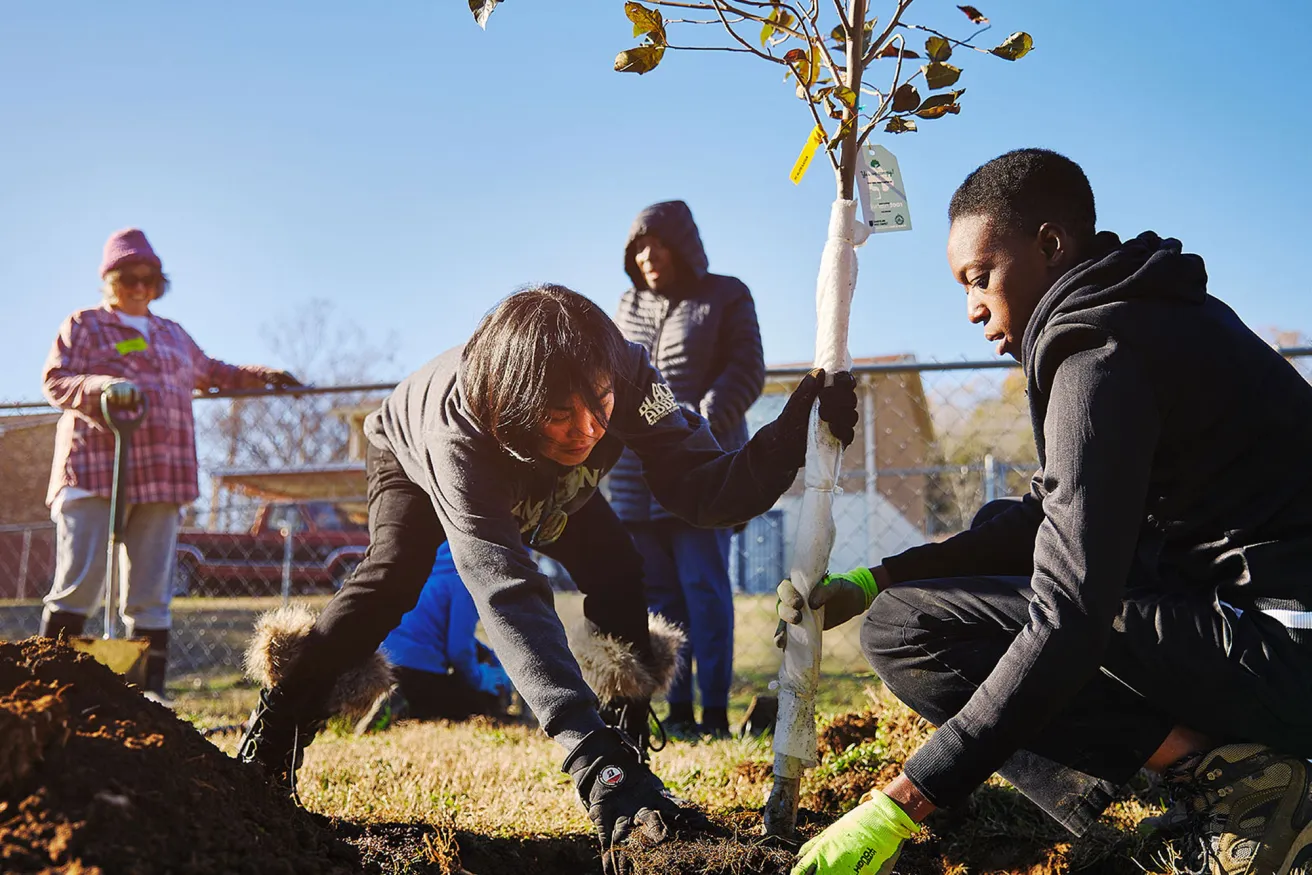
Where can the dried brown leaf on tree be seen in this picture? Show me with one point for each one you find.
(482, 9)
(1016, 46)
(646, 21)
(642, 59)
(899, 125)
(845, 129)
(940, 105)
(892, 51)
(807, 68)
(906, 98)
(778, 18)
(940, 75)
(938, 49)
(974, 14)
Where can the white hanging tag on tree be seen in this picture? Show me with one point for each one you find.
(883, 195)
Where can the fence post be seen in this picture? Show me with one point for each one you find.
(872, 469)
(22, 563)
(288, 531)
(990, 478)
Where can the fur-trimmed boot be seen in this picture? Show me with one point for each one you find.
(285, 721)
(625, 683)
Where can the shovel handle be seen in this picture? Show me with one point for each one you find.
(122, 428)
(122, 421)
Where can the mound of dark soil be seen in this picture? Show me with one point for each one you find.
(94, 778)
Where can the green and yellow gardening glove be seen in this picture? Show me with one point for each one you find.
(865, 841)
(843, 596)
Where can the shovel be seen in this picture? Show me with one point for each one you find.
(125, 656)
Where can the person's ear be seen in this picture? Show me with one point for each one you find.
(1055, 244)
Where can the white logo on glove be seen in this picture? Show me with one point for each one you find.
(611, 776)
(659, 403)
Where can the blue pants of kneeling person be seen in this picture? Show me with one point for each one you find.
(687, 578)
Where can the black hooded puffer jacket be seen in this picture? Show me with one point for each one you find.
(703, 337)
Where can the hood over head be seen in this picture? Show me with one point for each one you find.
(1146, 266)
(672, 222)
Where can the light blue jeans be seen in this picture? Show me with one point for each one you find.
(145, 563)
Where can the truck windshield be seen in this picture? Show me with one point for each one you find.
(329, 517)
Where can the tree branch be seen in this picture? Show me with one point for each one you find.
(707, 48)
(855, 67)
(877, 44)
(965, 44)
(887, 98)
(815, 114)
(842, 17)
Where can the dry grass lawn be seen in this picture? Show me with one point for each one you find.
(433, 797)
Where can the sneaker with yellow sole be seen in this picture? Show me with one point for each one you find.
(1249, 812)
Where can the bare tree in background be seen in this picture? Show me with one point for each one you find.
(825, 50)
(290, 431)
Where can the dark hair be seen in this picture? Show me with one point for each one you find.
(1027, 187)
(534, 351)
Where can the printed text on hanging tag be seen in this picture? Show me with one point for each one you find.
(883, 195)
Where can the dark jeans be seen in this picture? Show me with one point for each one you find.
(1173, 659)
(404, 534)
(687, 571)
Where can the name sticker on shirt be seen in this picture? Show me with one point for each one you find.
(132, 344)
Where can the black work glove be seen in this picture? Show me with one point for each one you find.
(280, 379)
(629, 716)
(622, 794)
(786, 436)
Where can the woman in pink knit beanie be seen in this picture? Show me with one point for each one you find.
(123, 352)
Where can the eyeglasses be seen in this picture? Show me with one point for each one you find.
(149, 280)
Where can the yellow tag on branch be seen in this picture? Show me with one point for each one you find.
(133, 344)
(808, 152)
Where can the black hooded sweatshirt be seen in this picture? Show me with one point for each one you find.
(1175, 452)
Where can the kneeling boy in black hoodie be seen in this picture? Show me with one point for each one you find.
(1149, 602)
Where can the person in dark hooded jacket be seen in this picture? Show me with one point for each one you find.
(701, 332)
(1149, 602)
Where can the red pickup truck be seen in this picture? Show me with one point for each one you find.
(326, 545)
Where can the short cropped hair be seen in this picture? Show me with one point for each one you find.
(534, 351)
(1027, 187)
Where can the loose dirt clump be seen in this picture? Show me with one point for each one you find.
(94, 778)
(846, 730)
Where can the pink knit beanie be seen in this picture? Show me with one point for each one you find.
(130, 244)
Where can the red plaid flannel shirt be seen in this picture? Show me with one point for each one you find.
(162, 461)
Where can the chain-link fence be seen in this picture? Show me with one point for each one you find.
(282, 512)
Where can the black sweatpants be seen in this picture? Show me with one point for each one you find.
(1173, 659)
(404, 534)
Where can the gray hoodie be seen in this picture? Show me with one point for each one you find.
(489, 503)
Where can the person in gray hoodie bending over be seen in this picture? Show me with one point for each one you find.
(497, 447)
(701, 332)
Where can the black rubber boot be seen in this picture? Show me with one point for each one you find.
(157, 660)
(55, 623)
(276, 737)
(715, 722)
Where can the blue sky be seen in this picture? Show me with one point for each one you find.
(396, 161)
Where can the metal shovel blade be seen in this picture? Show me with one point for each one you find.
(126, 656)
